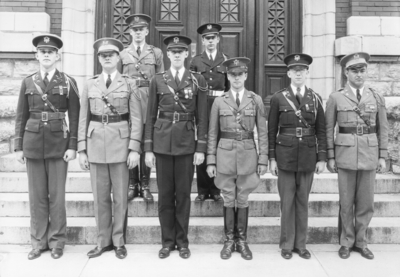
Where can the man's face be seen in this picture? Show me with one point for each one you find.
(237, 80)
(356, 76)
(211, 42)
(139, 34)
(298, 75)
(109, 60)
(47, 57)
(177, 57)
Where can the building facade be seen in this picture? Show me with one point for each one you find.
(263, 30)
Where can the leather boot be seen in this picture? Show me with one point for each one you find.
(242, 216)
(133, 186)
(145, 180)
(229, 229)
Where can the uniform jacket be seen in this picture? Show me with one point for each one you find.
(237, 156)
(149, 63)
(213, 72)
(351, 151)
(45, 140)
(110, 143)
(290, 152)
(165, 137)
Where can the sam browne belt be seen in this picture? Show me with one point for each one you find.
(46, 116)
(237, 135)
(358, 130)
(298, 132)
(109, 118)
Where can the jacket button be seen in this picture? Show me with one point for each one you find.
(45, 104)
(210, 70)
(45, 123)
(176, 103)
(299, 120)
(210, 79)
(279, 142)
(31, 92)
(210, 86)
(300, 139)
(105, 106)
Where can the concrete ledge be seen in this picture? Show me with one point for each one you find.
(24, 21)
(374, 45)
(373, 26)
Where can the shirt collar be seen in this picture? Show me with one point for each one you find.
(181, 71)
(354, 90)
(112, 75)
(135, 46)
(241, 92)
(302, 89)
(213, 54)
(50, 76)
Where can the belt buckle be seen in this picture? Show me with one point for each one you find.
(175, 117)
(360, 130)
(45, 116)
(239, 136)
(104, 118)
(299, 132)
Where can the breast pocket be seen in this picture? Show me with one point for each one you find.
(346, 114)
(286, 116)
(249, 118)
(225, 118)
(121, 101)
(59, 97)
(33, 98)
(309, 114)
(96, 104)
(370, 110)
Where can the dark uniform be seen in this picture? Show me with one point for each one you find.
(215, 75)
(361, 138)
(296, 143)
(41, 133)
(171, 134)
(236, 158)
(142, 65)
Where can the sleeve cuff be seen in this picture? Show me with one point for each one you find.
(201, 146)
(134, 145)
(81, 145)
(148, 146)
(72, 144)
(383, 153)
(331, 154)
(322, 156)
(211, 159)
(263, 159)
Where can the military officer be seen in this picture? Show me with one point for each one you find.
(357, 151)
(108, 146)
(234, 115)
(44, 142)
(141, 61)
(209, 64)
(177, 104)
(297, 149)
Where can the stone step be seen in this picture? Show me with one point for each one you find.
(80, 182)
(261, 205)
(203, 230)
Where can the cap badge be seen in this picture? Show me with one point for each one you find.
(209, 26)
(105, 42)
(297, 58)
(356, 56)
(136, 19)
(46, 39)
(236, 62)
(176, 39)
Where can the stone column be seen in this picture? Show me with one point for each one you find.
(78, 24)
(318, 41)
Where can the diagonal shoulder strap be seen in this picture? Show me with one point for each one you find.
(296, 111)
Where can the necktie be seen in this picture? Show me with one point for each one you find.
(211, 58)
(108, 83)
(177, 81)
(237, 99)
(138, 51)
(358, 95)
(298, 95)
(46, 80)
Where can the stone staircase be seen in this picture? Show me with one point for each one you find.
(206, 223)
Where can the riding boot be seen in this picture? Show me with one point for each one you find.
(229, 227)
(133, 186)
(242, 216)
(145, 180)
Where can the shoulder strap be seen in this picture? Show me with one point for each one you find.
(71, 83)
(176, 97)
(296, 111)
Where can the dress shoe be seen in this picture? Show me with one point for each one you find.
(365, 252)
(200, 198)
(286, 254)
(133, 191)
(344, 252)
(184, 253)
(56, 253)
(146, 194)
(164, 252)
(35, 253)
(217, 198)
(98, 251)
(303, 253)
(229, 247)
(120, 252)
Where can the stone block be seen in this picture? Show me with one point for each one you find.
(83, 22)
(373, 71)
(9, 87)
(87, 6)
(389, 46)
(364, 26)
(390, 71)
(24, 68)
(7, 129)
(319, 46)
(384, 88)
(396, 88)
(4, 148)
(78, 43)
(8, 106)
(32, 22)
(319, 7)
(6, 68)
(76, 64)
(390, 26)
(16, 42)
(323, 87)
(393, 107)
(317, 25)
(348, 45)
(7, 21)
(322, 67)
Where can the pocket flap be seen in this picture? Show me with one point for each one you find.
(370, 108)
(249, 112)
(94, 94)
(226, 144)
(158, 124)
(345, 140)
(32, 126)
(59, 91)
(56, 125)
(225, 113)
(344, 108)
(249, 144)
(220, 69)
(372, 140)
(90, 131)
(124, 132)
(123, 94)
(284, 140)
(285, 108)
(31, 91)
